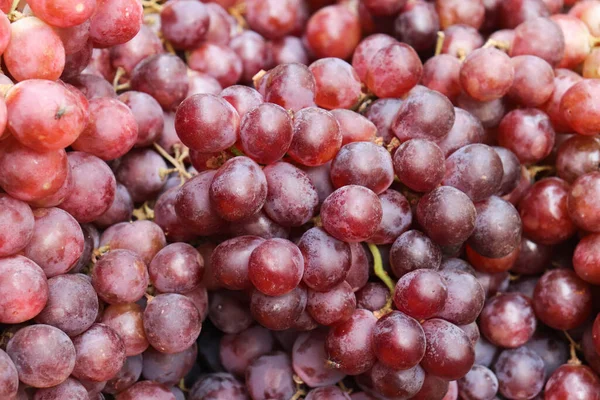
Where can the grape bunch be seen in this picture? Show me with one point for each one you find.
(299, 199)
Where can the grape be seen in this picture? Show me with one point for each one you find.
(275, 266)
(242, 98)
(140, 171)
(292, 86)
(585, 259)
(417, 25)
(266, 133)
(126, 321)
(507, 320)
(337, 83)
(287, 50)
(396, 217)
(100, 353)
(148, 115)
(562, 300)
(482, 81)
(550, 347)
(146, 390)
(218, 61)
(373, 296)
(270, 377)
(349, 343)
(327, 393)
(393, 71)
(465, 297)
(398, 341)
(120, 210)
(120, 277)
(577, 156)
(24, 288)
(563, 381)
(193, 205)
(272, 19)
(333, 31)
(366, 49)
(544, 212)
(32, 40)
(441, 73)
(511, 168)
(358, 274)
(419, 164)
(352, 213)
(230, 261)
(38, 175)
(365, 164)
(539, 37)
(72, 304)
(581, 202)
(461, 40)
(384, 7)
(56, 123)
(397, 384)
(217, 385)
(333, 306)
(578, 111)
(426, 115)
(201, 83)
(528, 133)
(260, 225)
(278, 312)
(168, 369)
(533, 82)
(9, 378)
(69, 389)
(43, 355)
(177, 268)
(93, 86)
(436, 388)
(184, 23)
(533, 258)
(126, 377)
(142, 237)
(458, 12)
(529, 380)
(17, 225)
(129, 54)
(493, 282)
(220, 26)
(252, 49)
(237, 351)
(214, 117)
(229, 312)
(564, 79)
(413, 250)
(479, 383)
(447, 215)
(162, 76)
(421, 294)
(172, 323)
(115, 22)
(292, 199)
(310, 361)
(487, 113)
(449, 353)
(238, 189)
(317, 137)
(354, 127)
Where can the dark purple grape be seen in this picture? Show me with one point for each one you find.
(126, 377)
(172, 323)
(72, 304)
(512, 170)
(121, 209)
(168, 369)
(100, 354)
(349, 343)
(436, 388)
(43, 355)
(528, 382)
(382, 112)
(397, 383)
(229, 311)
(326, 259)
(292, 199)
(238, 350)
(141, 172)
(177, 268)
(413, 250)
(550, 346)
(271, 377)
(162, 76)
(449, 353)
(310, 361)
(508, 320)
(417, 25)
(218, 386)
(278, 312)
(447, 215)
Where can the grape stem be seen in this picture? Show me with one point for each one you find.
(144, 212)
(441, 36)
(237, 12)
(574, 360)
(99, 252)
(594, 41)
(536, 169)
(176, 162)
(499, 44)
(378, 268)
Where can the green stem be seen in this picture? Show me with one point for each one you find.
(378, 267)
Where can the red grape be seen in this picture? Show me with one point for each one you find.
(162, 76)
(530, 379)
(421, 294)
(17, 225)
(337, 83)
(115, 22)
(507, 320)
(238, 350)
(184, 23)
(393, 71)
(229, 261)
(275, 267)
(333, 31)
(579, 109)
(317, 137)
(24, 288)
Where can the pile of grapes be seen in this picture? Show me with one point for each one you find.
(300, 199)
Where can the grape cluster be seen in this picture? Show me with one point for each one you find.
(299, 199)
